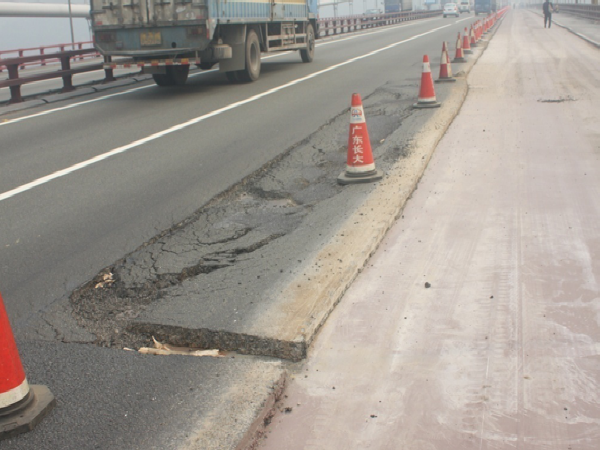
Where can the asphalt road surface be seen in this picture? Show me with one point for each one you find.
(85, 182)
(175, 150)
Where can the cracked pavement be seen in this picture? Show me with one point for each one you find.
(213, 274)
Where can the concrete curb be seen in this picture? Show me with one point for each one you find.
(81, 90)
(243, 414)
(68, 95)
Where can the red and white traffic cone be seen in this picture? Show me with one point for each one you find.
(427, 93)
(360, 166)
(459, 56)
(473, 40)
(445, 67)
(22, 406)
(466, 43)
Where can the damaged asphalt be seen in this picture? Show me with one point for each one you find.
(203, 282)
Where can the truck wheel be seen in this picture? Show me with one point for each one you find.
(161, 79)
(175, 76)
(252, 70)
(307, 54)
(178, 74)
(207, 65)
(232, 76)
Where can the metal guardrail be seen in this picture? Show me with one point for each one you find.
(585, 11)
(348, 24)
(15, 82)
(326, 27)
(21, 52)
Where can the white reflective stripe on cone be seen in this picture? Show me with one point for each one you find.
(360, 169)
(14, 395)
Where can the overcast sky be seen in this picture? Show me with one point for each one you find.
(22, 32)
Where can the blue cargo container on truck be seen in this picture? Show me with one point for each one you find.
(165, 37)
(394, 6)
(484, 6)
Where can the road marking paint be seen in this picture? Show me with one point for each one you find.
(196, 120)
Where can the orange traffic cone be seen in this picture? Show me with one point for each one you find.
(445, 67)
(360, 166)
(473, 40)
(459, 56)
(427, 93)
(22, 406)
(466, 43)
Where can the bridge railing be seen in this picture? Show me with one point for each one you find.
(349, 24)
(585, 11)
(21, 52)
(15, 82)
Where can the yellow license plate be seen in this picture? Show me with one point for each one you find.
(150, 38)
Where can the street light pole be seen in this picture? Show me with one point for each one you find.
(71, 20)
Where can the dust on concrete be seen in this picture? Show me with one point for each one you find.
(229, 231)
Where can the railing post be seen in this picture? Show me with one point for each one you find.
(108, 73)
(65, 62)
(43, 60)
(15, 91)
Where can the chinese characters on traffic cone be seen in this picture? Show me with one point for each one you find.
(360, 166)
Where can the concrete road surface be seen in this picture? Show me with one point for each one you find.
(476, 324)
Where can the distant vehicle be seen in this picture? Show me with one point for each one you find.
(464, 6)
(484, 6)
(450, 9)
(369, 12)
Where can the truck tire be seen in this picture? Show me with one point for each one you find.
(207, 65)
(307, 54)
(179, 74)
(252, 70)
(232, 76)
(161, 79)
(175, 76)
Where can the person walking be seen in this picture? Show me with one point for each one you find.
(547, 7)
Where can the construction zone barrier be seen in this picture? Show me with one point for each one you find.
(22, 406)
(466, 44)
(360, 165)
(445, 67)
(473, 42)
(459, 56)
(427, 92)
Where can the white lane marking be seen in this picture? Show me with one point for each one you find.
(181, 126)
(104, 97)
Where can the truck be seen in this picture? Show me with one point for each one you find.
(484, 6)
(165, 37)
(393, 6)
